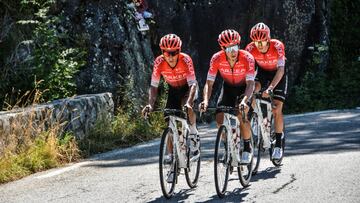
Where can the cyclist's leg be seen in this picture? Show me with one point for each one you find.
(246, 135)
(191, 113)
(244, 125)
(194, 137)
(173, 102)
(259, 78)
(278, 116)
(279, 99)
(226, 98)
(222, 101)
(245, 128)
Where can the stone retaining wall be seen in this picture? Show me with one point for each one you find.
(77, 114)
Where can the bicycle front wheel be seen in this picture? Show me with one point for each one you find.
(167, 164)
(257, 142)
(221, 162)
(192, 171)
(245, 171)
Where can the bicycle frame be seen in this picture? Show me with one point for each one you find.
(264, 122)
(180, 147)
(230, 139)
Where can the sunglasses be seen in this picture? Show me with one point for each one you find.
(232, 48)
(171, 53)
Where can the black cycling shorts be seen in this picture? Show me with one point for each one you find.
(265, 78)
(177, 97)
(230, 95)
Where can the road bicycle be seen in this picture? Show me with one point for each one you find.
(228, 150)
(176, 154)
(262, 126)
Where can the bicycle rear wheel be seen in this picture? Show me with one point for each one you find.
(166, 165)
(192, 171)
(221, 162)
(245, 171)
(257, 142)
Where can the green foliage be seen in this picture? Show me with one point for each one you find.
(54, 63)
(53, 55)
(338, 86)
(124, 130)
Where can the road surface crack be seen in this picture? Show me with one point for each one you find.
(286, 184)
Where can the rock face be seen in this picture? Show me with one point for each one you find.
(76, 114)
(298, 24)
(120, 58)
(118, 53)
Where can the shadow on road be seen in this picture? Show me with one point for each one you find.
(268, 173)
(180, 196)
(236, 195)
(320, 133)
(323, 133)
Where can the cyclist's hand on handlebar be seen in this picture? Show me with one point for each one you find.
(243, 106)
(203, 106)
(187, 106)
(146, 110)
(267, 92)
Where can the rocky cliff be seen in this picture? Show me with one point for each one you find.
(120, 58)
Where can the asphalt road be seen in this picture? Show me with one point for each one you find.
(321, 164)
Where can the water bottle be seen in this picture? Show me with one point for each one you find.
(182, 147)
(236, 139)
(266, 133)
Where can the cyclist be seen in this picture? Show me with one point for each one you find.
(236, 67)
(270, 58)
(178, 71)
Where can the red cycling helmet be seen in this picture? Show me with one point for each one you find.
(228, 38)
(260, 32)
(170, 42)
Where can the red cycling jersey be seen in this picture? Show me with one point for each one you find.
(273, 58)
(243, 69)
(178, 76)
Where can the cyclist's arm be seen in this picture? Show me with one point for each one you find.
(279, 74)
(207, 90)
(250, 86)
(192, 93)
(153, 91)
(280, 65)
(155, 80)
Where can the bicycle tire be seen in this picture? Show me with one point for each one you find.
(192, 182)
(220, 190)
(245, 176)
(167, 191)
(257, 143)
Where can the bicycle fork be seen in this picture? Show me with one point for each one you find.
(180, 147)
(233, 143)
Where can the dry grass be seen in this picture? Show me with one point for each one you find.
(33, 143)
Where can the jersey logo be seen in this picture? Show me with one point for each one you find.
(279, 48)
